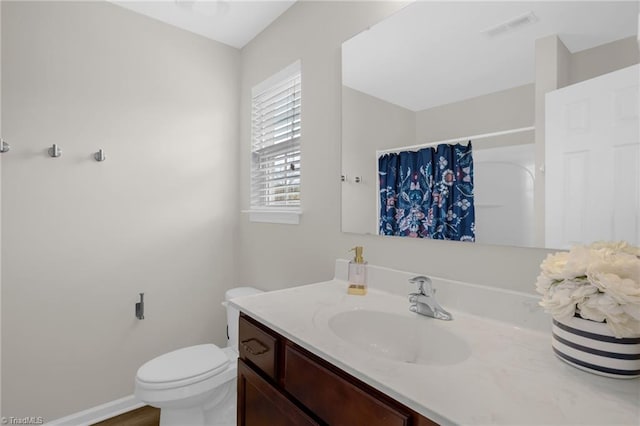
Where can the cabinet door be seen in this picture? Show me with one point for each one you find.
(259, 403)
(334, 398)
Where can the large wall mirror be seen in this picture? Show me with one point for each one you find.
(509, 123)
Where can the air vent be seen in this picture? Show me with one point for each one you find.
(511, 25)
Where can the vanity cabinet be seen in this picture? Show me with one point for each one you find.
(260, 403)
(280, 383)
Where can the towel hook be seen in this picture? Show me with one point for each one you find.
(140, 307)
(4, 147)
(55, 151)
(99, 156)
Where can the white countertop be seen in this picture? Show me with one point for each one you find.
(510, 377)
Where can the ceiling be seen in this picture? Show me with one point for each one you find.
(433, 53)
(232, 22)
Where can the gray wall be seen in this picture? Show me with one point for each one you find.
(277, 256)
(368, 124)
(552, 72)
(504, 110)
(1, 412)
(80, 238)
(603, 59)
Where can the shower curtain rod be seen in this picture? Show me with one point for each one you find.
(464, 138)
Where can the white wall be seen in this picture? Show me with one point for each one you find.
(80, 238)
(503, 195)
(277, 256)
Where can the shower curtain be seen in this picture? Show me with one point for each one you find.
(428, 193)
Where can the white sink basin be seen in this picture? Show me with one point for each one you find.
(412, 339)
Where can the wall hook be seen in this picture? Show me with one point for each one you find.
(140, 307)
(55, 151)
(4, 147)
(99, 156)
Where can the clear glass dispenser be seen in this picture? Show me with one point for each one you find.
(358, 273)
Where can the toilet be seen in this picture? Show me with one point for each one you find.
(195, 385)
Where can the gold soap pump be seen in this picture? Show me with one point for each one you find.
(357, 273)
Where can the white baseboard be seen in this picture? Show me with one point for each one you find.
(99, 413)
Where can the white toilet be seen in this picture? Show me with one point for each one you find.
(195, 385)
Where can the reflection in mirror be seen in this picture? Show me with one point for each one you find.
(547, 94)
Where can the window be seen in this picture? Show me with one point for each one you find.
(275, 146)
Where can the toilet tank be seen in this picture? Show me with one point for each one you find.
(233, 314)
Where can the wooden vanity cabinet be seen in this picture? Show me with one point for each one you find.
(260, 402)
(280, 383)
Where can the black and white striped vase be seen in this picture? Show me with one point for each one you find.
(590, 346)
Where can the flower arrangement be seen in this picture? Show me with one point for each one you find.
(598, 282)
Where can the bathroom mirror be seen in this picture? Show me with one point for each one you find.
(528, 83)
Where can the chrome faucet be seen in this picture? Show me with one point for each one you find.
(424, 301)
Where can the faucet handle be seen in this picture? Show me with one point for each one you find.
(424, 284)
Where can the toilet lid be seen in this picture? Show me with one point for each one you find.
(184, 364)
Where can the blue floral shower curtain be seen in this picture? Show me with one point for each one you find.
(428, 193)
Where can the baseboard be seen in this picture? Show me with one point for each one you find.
(99, 413)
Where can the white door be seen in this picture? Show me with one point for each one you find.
(592, 161)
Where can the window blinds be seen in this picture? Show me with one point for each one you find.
(276, 125)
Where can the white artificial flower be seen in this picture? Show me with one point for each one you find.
(553, 265)
(577, 261)
(622, 290)
(601, 307)
(543, 283)
(597, 306)
(619, 262)
(619, 246)
(561, 299)
(616, 273)
(600, 281)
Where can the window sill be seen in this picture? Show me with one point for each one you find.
(282, 216)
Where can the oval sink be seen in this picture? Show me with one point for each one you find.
(409, 339)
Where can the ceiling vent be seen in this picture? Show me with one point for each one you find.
(511, 25)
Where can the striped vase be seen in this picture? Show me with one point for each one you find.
(590, 346)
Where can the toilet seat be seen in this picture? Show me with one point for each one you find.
(183, 367)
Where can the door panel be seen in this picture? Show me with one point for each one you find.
(592, 160)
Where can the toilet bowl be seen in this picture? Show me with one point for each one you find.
(196, 385)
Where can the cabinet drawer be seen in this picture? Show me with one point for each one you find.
(333, 398)
(257, 346)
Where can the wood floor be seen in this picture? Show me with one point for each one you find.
(143, 416)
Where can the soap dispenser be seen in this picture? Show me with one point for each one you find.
(357, 273)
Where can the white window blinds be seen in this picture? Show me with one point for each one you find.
(276, 127)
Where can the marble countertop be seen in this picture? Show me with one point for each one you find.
(509, 377)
